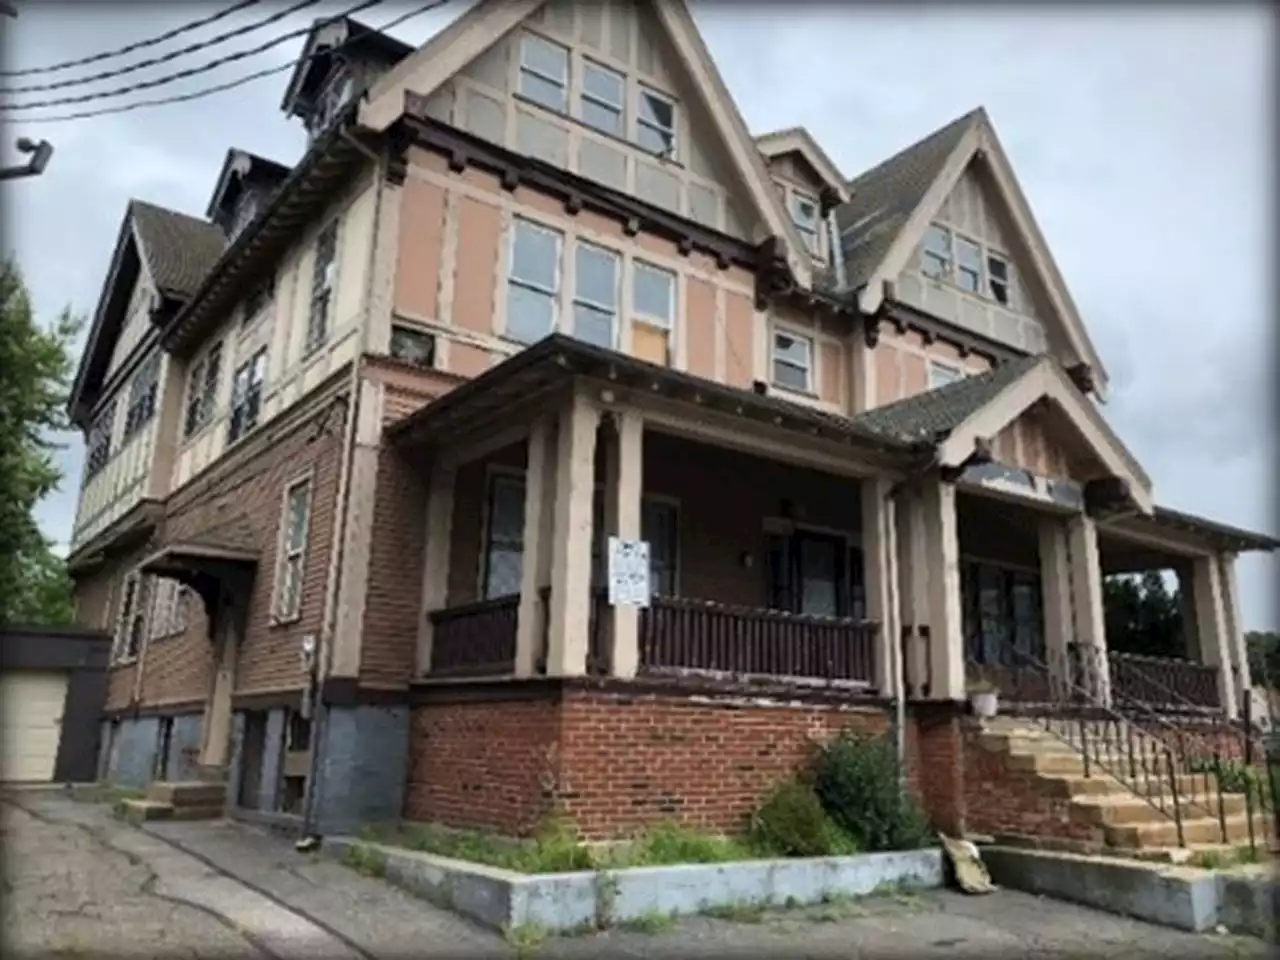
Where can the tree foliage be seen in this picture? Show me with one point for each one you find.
(1143, 615)
(1264, 657)
(35, 369)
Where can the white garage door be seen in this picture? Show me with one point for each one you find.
(31, 703)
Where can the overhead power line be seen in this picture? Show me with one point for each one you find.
(136, 45)
(163, 58)
(181, 74)
(231, 84)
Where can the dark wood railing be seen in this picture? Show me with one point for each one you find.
(475, 639)
(679, 635)
(1164, 682)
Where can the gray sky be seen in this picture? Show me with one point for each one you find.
(1141, 136)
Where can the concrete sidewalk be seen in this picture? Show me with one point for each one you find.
(80, 882)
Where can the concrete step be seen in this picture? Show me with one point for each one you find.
(199, 812)
(140, 811)
(1198, 830)
(1106, 809)
(187, 793)
(1076, 784)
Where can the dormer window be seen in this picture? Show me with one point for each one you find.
(245, 211)
(805, 215)
(332, 99)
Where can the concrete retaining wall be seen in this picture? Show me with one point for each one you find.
(570, 901)
(1242, 899)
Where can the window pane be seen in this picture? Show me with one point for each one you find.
(297, 517)
(593, 326)
(940, 375)
(933, 265)
(604, 119)
(503, 571)
(602, 84)
(937, 240)
(597, 275)
(506, 511)
(819, 594)
(653, 292)
(535, 256)
(530, 314)
(653, 140)
(792, 349)
(804, 211)
(543, 92)
(792, 377)
(968, 279)
(998, 268)
(968, 254)
(544, 57)
(657, 110)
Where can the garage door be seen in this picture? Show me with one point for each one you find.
(31, 703)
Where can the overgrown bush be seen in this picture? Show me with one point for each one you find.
(856, 779)
(792, 823)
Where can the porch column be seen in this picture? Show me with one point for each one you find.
(1215, 649)
(1187, 610)
(1088, 622)
(539, 515)
(436, 555)
(624, 483)
(569, 614)
(878, 561)
(1237, 646)
(1055, 579)
(228, 621)
(942, 557)
(913, 590)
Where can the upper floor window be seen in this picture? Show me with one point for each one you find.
(941, 374)
(169, 603)
(792, 361)
(533, 284)
(656, 123)
(808, 221)
(131, 630)
(544, 72)
(336, 93)
(967, 263)
(653, 295)
(323, 275)
(417, 347)
(604, 94)
(256, 300)
(98, 442)
(937, 252)
(202, 389)
(293, 545)
(246, 395)
(595, 301)
(142, 396)
(998, 278)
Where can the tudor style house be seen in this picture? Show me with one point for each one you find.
(358, 438)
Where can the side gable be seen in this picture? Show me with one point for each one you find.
(720, 179)
(895, 203)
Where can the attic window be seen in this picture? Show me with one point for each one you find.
(656, 123)
(544, 73)
(937, 252)
(245, 211)
(998, 278)
(336, 93)
(804, 214)
(603, 98)
(968, 265)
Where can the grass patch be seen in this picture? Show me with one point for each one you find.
(1228, 857)
(651, 921)
(365, 859)
(737, 912)
(526, 939)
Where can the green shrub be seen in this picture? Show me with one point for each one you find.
(792, 823)
(856, 780)
(668, 842)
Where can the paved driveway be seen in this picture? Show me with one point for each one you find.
(80, 884)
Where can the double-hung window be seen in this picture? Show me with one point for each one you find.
(808, 221)
(544, 73)
(133, 616)
(792, 361)
(293, 547)
(202, 389)
(533, 284)
(142, 396)
(255, 302)
(595, 301)
(323, 275)
(653, 307)
(937, 252)
(968, 265)
(998, 278)
(246, 395)
(604, 93)
(656, 123)
(98, 442)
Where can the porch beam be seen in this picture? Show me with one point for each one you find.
(1211, 625)
(569, 614)
(491, 442)
(942, 557)
(624, 477)
(1088, 620)
(1235, 627)
(539, 519)
(436, 556)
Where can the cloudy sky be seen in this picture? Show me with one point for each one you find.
(1141, 136)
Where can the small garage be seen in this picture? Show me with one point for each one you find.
(52, 687)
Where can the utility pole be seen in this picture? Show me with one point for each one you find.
(40, 151)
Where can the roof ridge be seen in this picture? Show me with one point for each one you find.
(936, 135)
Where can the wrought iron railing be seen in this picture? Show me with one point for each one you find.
(1164, 682)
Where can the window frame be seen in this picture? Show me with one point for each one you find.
(246, 399)
(951, 270)
(958, 243)
(816, 248)
(990, 281)
(585, 96)
(673, 298)
(523, 69)
(133, 621)
(950, 368)
(672, 149)
(257, 301)
(579, 300)
(141, 409)
(533, 286)
(810, 370)
(286, 554)
(324, 285)
(98, 440)
(946, 259)
(203, 382)
(416, 331)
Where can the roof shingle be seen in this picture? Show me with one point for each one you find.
(179, 249)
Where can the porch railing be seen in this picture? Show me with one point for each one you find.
(1164, 681)
(679, 635)
(475, 639)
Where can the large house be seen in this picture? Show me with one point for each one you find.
(358, 439)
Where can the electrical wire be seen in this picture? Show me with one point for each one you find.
(231, 84)
(164, 57)
(183, 74)
(136, 45)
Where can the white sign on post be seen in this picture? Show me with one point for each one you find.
(628, 572)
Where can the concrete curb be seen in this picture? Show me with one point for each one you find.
(562, 902)
(1186, 898)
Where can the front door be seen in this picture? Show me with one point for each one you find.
(814, 573)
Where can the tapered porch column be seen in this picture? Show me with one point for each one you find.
(436, 555)
(1235, 630)
(1088, 620)
(624, 483)
(539, 518)
(1055, 578)
(913, 593)
(942, 559)
(569, 614)
(1215, 648)
(880, 575)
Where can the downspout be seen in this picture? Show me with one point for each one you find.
(323, 663)
(837, 251)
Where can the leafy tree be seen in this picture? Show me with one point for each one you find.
(1264, 657)
(1143, 615)
(35, 368)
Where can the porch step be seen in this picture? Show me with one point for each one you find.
(1126, 809)
(1199, 830)
(140, 811)
(192, 793)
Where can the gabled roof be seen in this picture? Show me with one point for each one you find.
(894, 202)
(235, 166)
(488, 21)
(801, 141)
(315, 64)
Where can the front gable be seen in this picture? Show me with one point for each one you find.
(577, 84)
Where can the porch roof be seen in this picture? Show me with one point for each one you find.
(1218, 535)
(558, 359)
